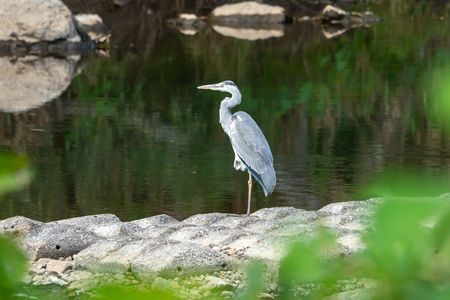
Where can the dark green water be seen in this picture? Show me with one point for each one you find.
(133, 136)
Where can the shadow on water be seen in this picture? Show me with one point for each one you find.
(132, 136)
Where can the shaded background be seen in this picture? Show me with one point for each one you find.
(132, 135)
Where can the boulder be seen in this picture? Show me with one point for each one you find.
(102, 246)
(175, 259)
(208, 236)
(57, 240)
(159, 220)
(36, 20)
(97, 257)
(18, 226)
(205, 219)
(105, 225)
(247, 12)
(149, 257)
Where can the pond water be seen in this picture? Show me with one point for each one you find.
(133, 136)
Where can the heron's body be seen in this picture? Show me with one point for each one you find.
(251, 150)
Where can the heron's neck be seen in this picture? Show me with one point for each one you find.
(225, 109)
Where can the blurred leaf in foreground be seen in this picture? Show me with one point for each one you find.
(408, 249)
(307, 263)
(13, 265)
(14, 172)
(255, 282)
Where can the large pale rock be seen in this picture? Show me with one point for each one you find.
(347, 217)
(248, 12)
(355, 207)
(28, 83)
(210, 235)
(106, 225)
(156, 231)
(248, 20)
(352, 242)
(36, 20)
(275, 212)
(159, 220)
(254, 246)
(149, 257)
(57, 240)
(205, 219)
(174, 258)
(236, 221)
(163, 246)
(97, 257)
(18, 226)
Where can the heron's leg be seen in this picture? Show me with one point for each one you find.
(249, 192)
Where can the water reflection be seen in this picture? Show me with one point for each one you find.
(29, 82)
(250, 33)
(132, 136)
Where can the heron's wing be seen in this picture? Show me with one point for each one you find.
(250, 144)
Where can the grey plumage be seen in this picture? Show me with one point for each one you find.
(250, 145)
(252, 152)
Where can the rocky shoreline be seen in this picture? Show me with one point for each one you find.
(48, 28)
(201, 254)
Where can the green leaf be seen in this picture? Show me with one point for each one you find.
(13, 266)
(255, 282)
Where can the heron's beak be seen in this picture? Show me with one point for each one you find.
(214, 87)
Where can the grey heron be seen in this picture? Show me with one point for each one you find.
(251, 150)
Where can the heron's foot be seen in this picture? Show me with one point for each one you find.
(239, 166)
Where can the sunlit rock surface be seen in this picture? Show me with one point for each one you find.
(29, 82)
(36, 20)
(92, 27)
(66, 252)
(248, 20)
(248, 12)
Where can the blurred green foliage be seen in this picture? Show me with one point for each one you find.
(407, 254)
(13, 266)
(14, 174)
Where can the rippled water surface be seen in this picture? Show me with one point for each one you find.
(133, 136)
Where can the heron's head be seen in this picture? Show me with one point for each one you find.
(224, 86)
